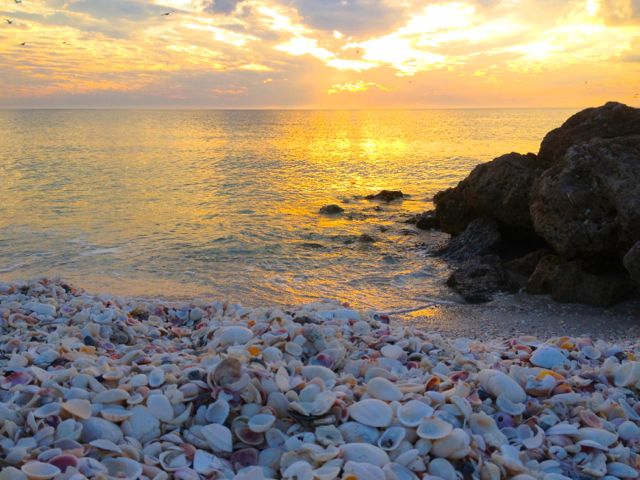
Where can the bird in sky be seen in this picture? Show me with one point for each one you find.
(166, 14)
(18, 1)
(8, 21)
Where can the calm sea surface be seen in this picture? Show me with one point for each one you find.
(224, 204)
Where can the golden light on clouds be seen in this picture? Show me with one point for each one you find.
(307, 53)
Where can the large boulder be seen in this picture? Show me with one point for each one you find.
(499, 189)
(588, 204)
(481, 237)
(632, 262)
(611, 120)
(478, 279)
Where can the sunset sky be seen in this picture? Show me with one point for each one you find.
(319, 53)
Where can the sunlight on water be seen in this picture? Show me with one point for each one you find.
(225, 204)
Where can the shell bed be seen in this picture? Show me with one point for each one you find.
(100, 387)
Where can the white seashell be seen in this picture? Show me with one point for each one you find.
(392, 351)
(507, 406)
(411, 413)
(326, 472)
(329, 435)
(123, 467)
(160, 407)
(383, 389)
(47, 410)
(106, 445)
(78, 408)
(261, 423)
(371, 412)
(433, 428)
(497, 383)
(142, 425)
(628, 430)
(548, 357)
(206, 463)
(113, 395)
(598, 435)
(482, 424)
(272, 355)
(217, 412)
(627, 374)
(300, 470)
(562, 429)
(622, 470)
(293, 349)
(234, 335)
(354, 432)
(442, 468)
(454, 446)
(11, 473)
(115, 413)
(218, 437)
(312, 371)
(156, 377)
(97, 428)
(363, 470)
(173, 460)
(391, 438)
(365, 453)
(40, 471)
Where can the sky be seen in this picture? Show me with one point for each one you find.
(319, 53)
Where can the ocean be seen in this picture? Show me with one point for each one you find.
(224, 204)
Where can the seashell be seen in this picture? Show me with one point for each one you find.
(106, 445)
(123, 467)
(354, 432)
(548, 357)
(206, 463)
(482, 424)
(156, 377)
(234, 335)
(371, 412)
(453, 446)
(78, 408)
(244, 457)
(562, 429)
(11, 473)
(218, 437)
(627, 374)
(326, 472)
(328, 435)
(498, 383)
(442, 468)
(622, 470)
(64, 461)
(433, 428)
(226, 373)
(628, 430)
(391, 438)
(47, 410)
(160, 407)
(69, 429)
(598, 435)
(115, 414)
(173, 460)
(97, 429)
(310, 372)
(590, 419)
(507, 406)
(392, 351)
(261, 423)
(293, 349)
(300, 470)
(383, 389)
(141, 425)
(40, 471)
(364, 453)
(411, 413)
(363, 470)
(217, 412)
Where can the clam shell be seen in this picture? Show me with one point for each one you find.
(548, 357)
(391, 438)
(261, 423)
(78, 408)
(500, 384)
(371, 412)
(218, 411)
(364, 453)
(454, 446)
(218, 437)
(160, 407)
(123, 467)
(383, 389)
(433, 428)
(627, 374)
(411, 413)
(40, 471)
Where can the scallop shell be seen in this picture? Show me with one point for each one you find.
(40, 471)
(411, 413)
(371, 412)
(433, 428)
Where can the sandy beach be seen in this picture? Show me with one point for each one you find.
(105, 387)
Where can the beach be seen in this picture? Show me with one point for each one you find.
(97, 386)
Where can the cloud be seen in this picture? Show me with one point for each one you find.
(617, 12)
(221, 6)
(359, 86)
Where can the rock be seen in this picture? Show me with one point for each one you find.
(573, 282)
(481, 237)
(632, 262)
(611, 120)
(386, 196)
(526, 264)
(331, 209)
(499, 189)
(479, 278)
(427, 220)
(589, 204)
(366, 238)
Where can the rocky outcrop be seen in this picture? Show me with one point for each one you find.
(332, 209)
(498, 189)
(564, 218)
(386, 196)
(589, 204)
(427, 221)
(479, 278)
(609, 121)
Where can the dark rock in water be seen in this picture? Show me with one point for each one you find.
(386, 196)
(427, 221)
(573, 282)
(499, 189)
(481, 237)
(331, 209)
(611, 120)
(632, 262)
(479, 278)
(366, 238)
(589, 204)
(526, 264)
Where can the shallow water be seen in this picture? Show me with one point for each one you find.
(224, 204)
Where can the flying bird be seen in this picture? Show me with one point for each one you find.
(23, 44)
(18, 1)
(8, 21)
(166, 14)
